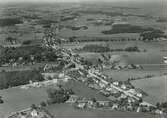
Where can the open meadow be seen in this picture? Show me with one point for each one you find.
(16, 99)
(154, 87)
(67, 111)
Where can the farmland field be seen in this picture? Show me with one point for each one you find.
(16, 99)
(67, 111)
(82, 90)
(123, 75)
(155, 87)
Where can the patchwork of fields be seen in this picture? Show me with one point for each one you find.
(95, 19)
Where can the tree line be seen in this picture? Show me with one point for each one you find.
(100, 48)
(26, 54)
(17, 78)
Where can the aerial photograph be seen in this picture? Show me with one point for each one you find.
(83, 58)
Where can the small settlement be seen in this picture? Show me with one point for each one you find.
(122, 95)
(34, 112)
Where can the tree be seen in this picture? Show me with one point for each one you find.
(27, 42)
(94, 99)
(11, 40)
(58, 95)
(1, 101)
(43, 104)
(33, 106)
(140, 100)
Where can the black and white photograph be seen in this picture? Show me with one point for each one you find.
(83, 58)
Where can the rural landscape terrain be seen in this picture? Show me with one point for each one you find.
(83, 59)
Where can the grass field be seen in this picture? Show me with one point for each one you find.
(82, 90)
(155, 87)
(16, 99)
(67, 111)
(123, 75)
(131, 57)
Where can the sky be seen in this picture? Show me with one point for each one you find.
(79, 0)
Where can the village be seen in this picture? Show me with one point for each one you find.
(122, 96)
(80, 59)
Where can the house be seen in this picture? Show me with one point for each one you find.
(101, 84)
(123, 96)
(94, 86)
(72, 99)
(49, 75)
(90, 104)
(123, 86)
(81, 105)
(34, 113)
(105, 82)
(159, 111)
(138, 109)
(105, 93)
(130, 107)
(104, 103)
(130, 100)
(61, 75)
(109, 89)
(55, 81)
(139, 95)
(115, 106)
(116, 83)
(133, 91)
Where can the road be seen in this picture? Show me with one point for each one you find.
(72, 58)
(121, 90)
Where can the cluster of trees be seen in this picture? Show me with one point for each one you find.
(162, 19)
(132, 49)
(10, 21)
(58, 95)
(152, 34)
(12, 40)
(68, 18)
(1, 101)
(124, 28)
(77, 27)
(138, 78)
(46, 21)
(16, 78)
(27, 42)
(100, 48)
(95, 48)
(100, 39)
(39, 54)
(145, 33)
(162, 105)
(102, 12)
(42, 104)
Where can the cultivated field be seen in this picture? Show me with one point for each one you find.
(82, 90)
(16, 99)
(155, 87)
(67, 111)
